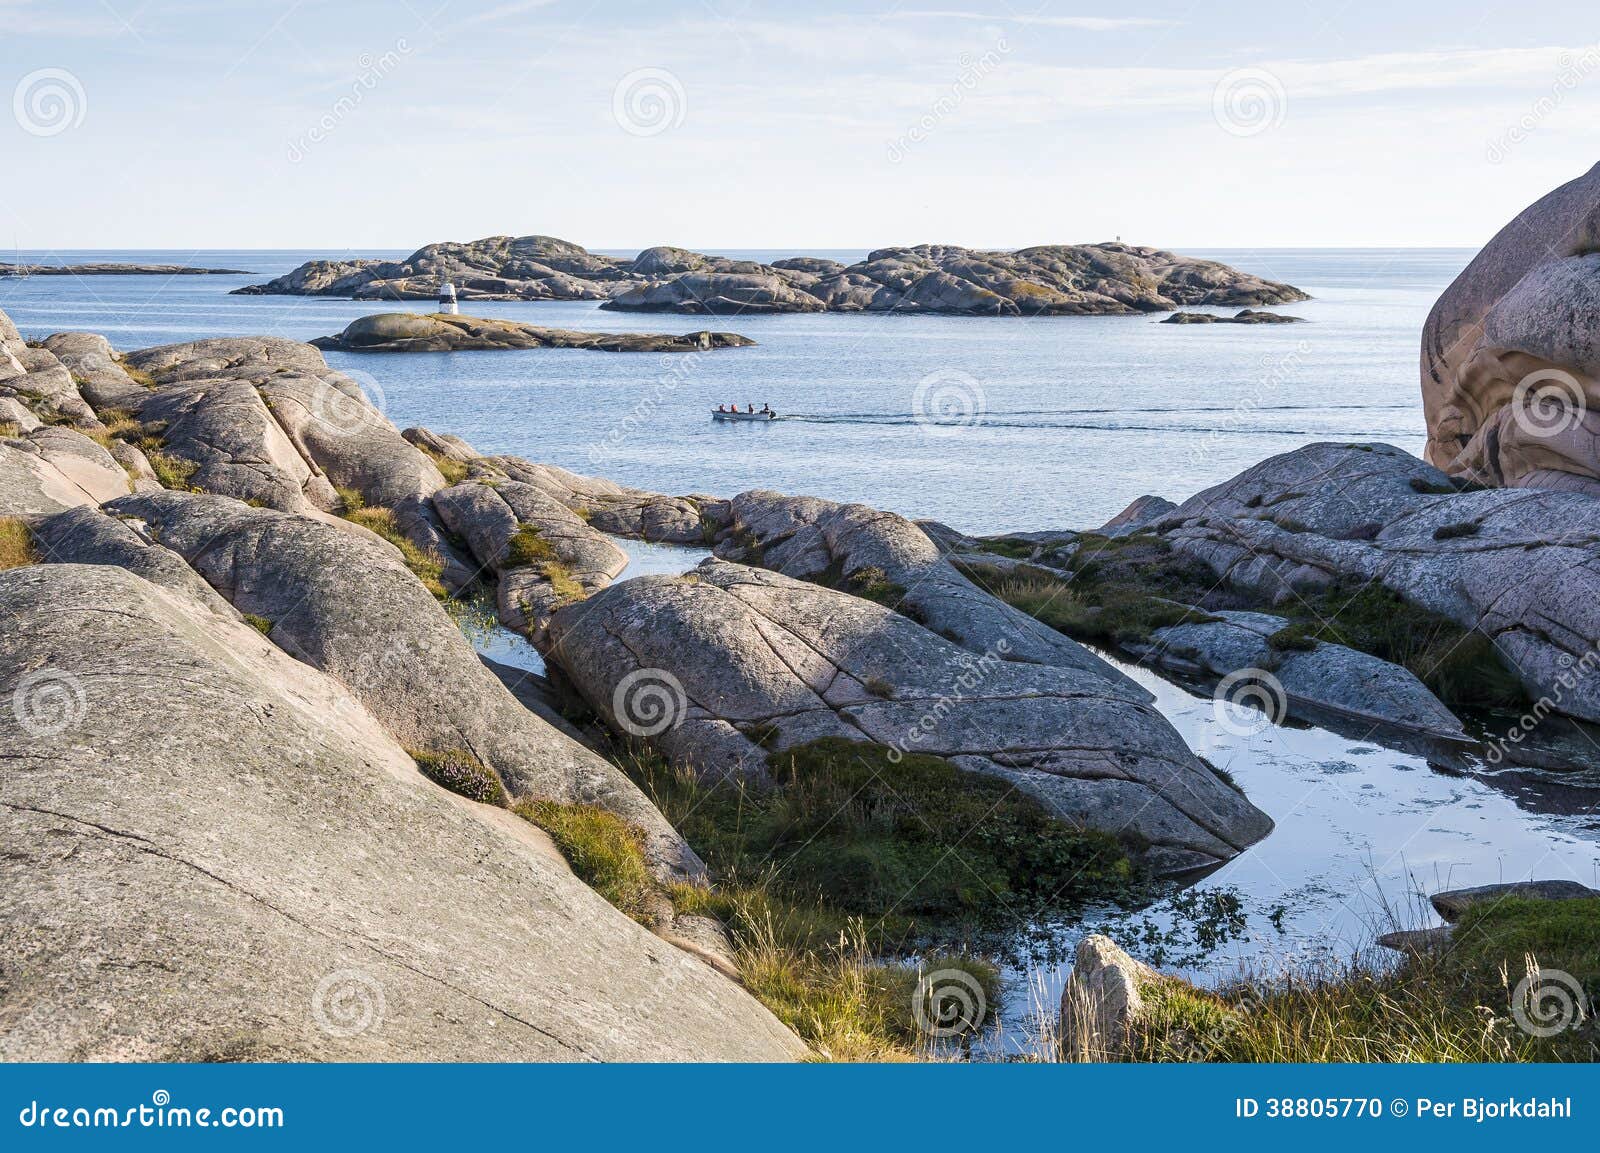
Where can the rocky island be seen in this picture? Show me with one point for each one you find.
(114, 269)
(452, 332)
(1050, 280)
(251, 751)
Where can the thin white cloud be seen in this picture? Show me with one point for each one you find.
(1075, 23)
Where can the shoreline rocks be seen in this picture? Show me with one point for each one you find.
(441, 332)
(1047, 280)
(1324, 676)
(114, 269)
(1248, 316)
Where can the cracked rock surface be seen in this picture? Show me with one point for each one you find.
(765, 662)
(1521, 566)
(253, 869)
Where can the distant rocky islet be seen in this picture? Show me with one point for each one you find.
(1109, 279)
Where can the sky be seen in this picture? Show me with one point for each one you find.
(728, 124)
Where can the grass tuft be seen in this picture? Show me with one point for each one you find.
(605, 851)
(453, 471)
(428, 566)
(16, 544)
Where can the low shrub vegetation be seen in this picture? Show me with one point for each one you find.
(460, 772)
(1453, 1005)
(451, 469)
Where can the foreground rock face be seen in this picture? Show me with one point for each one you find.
(728, 663)
(52, 468)
(1511, 351)
(1091, 279)
(349, 606)
(1521, 567)
(860, 549)
(215, 853)
(409, 332)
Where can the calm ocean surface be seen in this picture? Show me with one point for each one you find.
(1053, 423)
(987, 424)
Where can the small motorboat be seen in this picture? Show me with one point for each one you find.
(735, 414)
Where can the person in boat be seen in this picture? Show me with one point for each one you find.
(722, 408)
(766, 408)
(750, 408)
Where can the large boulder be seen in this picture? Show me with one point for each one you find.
(727, 663)
(1511, 351)
(349, 606)
(1520, 567)
(214, 853)
(866, 551)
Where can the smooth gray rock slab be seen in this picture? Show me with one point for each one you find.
(821, 540)
(1328, 677)
(215, 853)
(709, 664)
(1520, 566)
(348, 606)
